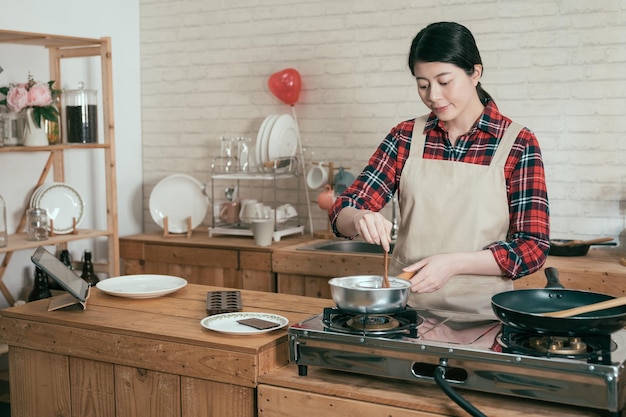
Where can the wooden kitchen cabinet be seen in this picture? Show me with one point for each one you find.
(234, 262)
(60, 48)
(150, 357)
(282, 393)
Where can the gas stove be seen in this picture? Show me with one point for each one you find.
(477, 353)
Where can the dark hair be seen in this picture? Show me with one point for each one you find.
(447, 42)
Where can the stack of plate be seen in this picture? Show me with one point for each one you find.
(277, 138)
(178, 197)
(62, 202)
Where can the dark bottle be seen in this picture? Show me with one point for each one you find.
(88, 274)
(67, 260)
(40, 286)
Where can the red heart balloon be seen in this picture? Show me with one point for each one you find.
(286, 85)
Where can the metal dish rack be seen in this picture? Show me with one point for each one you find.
(278, 170)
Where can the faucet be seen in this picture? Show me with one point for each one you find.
(394, 217)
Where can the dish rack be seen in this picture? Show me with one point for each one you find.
(278, 170)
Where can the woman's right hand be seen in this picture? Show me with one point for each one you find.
(373, 227)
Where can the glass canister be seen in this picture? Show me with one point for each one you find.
(36, 224)
(13, 125)
(4, 233)
(81, 115)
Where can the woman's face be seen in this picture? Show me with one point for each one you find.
(446, 89)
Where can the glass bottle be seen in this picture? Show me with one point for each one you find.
(67, 261)
(88, 273)
(4, 234)
(40, 286)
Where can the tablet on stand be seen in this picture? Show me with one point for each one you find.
(76, 287)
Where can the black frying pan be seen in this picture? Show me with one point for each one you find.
(521, 309)
(557, 247)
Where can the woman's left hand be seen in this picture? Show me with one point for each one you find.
(432, 273)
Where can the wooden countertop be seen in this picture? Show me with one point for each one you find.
(369, 396)
(164, 334)
(201, 238)
(142, 332)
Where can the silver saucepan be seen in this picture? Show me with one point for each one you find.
(365, 294)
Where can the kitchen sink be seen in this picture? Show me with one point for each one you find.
(345, 246)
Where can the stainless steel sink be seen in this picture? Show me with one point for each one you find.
(345, 246)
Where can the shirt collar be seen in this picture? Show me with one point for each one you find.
(490, 121)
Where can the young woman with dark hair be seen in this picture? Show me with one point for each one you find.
(471, 185)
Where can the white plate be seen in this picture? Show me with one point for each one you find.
(283, 140)
(178, 197)
(141, 286)
(63, 204)
(227, 323)
(261, 146)
(33, 198)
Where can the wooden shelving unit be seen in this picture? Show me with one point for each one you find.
(59, 48)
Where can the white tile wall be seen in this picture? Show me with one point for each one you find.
(559, 67)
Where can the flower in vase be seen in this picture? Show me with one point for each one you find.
(32, 95)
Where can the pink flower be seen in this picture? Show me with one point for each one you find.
(17, 98)
(39, 95)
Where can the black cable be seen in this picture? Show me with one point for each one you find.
(440, 379)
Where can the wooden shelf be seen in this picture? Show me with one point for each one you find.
(60, 48)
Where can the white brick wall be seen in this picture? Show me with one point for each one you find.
(557, 66)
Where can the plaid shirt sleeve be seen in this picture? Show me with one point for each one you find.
(527, 244)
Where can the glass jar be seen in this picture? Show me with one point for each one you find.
(36, 224)
(4, 233)
(81, 115)
(13, 126)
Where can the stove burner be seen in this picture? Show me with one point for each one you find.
(374, 322)
(593, 349)
(401, 323)
(562, 345)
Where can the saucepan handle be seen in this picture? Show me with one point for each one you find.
(552, 275)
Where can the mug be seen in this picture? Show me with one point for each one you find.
(286, 211)
(317, 176)
(229, 212)
(253, 210)
(326, 198)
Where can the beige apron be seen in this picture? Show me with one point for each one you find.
(449, 206)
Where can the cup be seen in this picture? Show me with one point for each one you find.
(253, 210)
(286, 211)
(229, 212)
(263, 230)
(326, 198)
(317, 176)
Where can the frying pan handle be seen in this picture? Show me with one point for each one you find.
(552, 275)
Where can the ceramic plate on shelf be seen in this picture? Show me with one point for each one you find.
(228, 323)
(63, 204)
(141, 286)
(283, 140)
(178, 197)
(261, 148)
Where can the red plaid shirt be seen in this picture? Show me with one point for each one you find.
(527, 244)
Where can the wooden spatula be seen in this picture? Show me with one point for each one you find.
(386, 283)
(603, 305)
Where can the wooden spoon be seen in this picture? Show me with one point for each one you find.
(386, 283)
(581, 242)
(614, 302)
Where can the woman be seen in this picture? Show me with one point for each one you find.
(471, 185)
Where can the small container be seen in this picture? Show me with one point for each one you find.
(81, 115)
(4, 233)
(36, 224)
